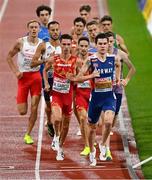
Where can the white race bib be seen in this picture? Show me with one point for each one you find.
(85, 84)
(103, 84)
(61, 85)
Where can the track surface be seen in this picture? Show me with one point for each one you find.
(17, 160)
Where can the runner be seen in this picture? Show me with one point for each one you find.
(85, 12)
(93, 30)
(78, 29)
(29, 79)
(44, 50)
(105, 26)
(62, 92)
(82, 94)
(102, 99)
(118, 90)
(43, 13)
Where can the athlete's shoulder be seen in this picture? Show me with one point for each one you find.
(93, 57)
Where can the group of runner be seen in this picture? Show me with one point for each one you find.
(82, 69)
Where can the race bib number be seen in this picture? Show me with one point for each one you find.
(103, 84)
(61, 85)
(27, 62)
(85, 84)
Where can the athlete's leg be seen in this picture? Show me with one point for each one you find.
(65, 129)
(108, 120)
(57, 118)
(82, 113)
(33, 115)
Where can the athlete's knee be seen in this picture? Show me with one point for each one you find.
(34, 108)
(22, 112)
(108, 124)
(92, 127)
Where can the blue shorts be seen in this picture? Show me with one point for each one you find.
(118, 102)
(47, 94)
(107, 101)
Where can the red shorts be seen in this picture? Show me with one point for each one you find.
(31, 81)
(82, 98)
(64, 101)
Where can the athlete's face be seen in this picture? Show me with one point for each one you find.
(85, 15)
(111, 42)
(78, 28)
(66, 45)
(102, 46)
(33, 29)
(54, 30)
(106, 26)
(83, 47)
(93, 30)
(44, 17)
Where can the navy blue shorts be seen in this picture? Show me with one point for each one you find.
(118, 102)
(99, 104)
(47, 94)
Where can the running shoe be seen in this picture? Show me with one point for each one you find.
(92, 157)
(111, 133)
(28, 139)
(60, 154)
(79, 133)
(55, 143)
(50, 129)
(102, 155)
(85, 151)
(108, 155)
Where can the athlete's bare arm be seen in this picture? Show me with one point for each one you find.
(121, 44)
(16, 48)
(131, 68)
(47, 66)
(80, 76)
(118, 68)
(36, 60)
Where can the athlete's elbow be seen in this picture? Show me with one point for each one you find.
(32, 65)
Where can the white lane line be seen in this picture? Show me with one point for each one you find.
(65, 170)
(142, 162)
(52, 5)
(3, 8)
(38, 156)
(14, 116)
(40, 134)
(102, 9)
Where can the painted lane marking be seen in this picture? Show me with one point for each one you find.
(3, 8)
(6, 168)
(40, 134)
(38, 156)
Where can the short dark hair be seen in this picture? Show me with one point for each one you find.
(91, 23)
(109, 34)
(85, 7)
(106, 18)
(41, 8)
(52, 23)
(32, 21)
(79, 19)
(83, 38)
(65, 36)
(100, 36)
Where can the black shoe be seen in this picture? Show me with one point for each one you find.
(50, 129)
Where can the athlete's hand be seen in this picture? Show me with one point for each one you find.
(70, 76)
(95, 73)
(47, 87)
(124, 82)
(19, 74)
(118, 82)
